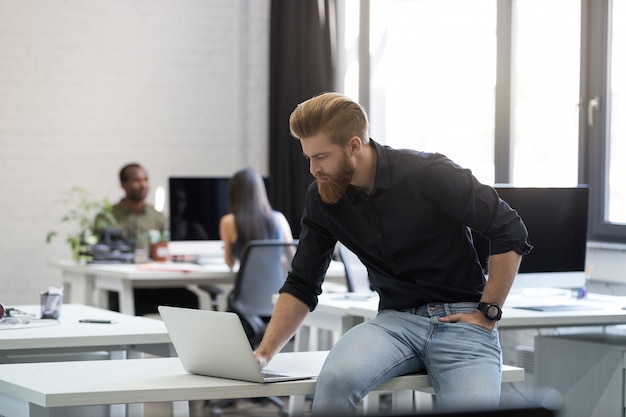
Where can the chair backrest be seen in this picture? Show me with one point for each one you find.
(262, 272)
(356, 273)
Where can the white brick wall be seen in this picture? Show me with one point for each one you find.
(86, 86)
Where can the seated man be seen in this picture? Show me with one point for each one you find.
(407, 216)
(133, 214)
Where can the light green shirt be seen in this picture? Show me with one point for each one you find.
(139, 223)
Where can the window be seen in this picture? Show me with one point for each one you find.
(433, 78)
(616, 181)
(545, 91)
(605, 119)
(503, 87)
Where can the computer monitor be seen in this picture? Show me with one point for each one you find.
(556, 219)
(196, 206)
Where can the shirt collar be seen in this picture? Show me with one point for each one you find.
(126, 210)
(383, 176)
(383, 172)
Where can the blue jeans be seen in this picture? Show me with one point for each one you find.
(463, 360)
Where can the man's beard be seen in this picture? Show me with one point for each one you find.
(136, 196)
(332, 190)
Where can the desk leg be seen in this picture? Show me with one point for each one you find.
(124, 288)
(402, 402)
(423, 401)
(180, 409)
(37, 411)
(301, 340)
(15, 407)
(126, 410)
(127, 299)
(371, 403)
(78, 288)
(296, 406)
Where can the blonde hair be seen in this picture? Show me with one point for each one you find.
(332, 113)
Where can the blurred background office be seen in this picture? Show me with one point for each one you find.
(516, 90)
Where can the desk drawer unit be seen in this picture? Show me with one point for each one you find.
(587, 369)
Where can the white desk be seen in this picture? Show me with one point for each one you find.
(128, 333)
(36, 389)
(603, 310)
(89, 283)
(68, 339)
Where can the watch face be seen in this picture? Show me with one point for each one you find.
(492, 311)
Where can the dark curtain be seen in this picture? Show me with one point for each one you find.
(302, 56)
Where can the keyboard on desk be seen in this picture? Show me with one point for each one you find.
(549, 299)
(272, 375)
(209, 260)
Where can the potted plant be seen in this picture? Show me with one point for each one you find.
(82, 214)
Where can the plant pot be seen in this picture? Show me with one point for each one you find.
(159, 252)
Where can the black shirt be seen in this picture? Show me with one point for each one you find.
(411, 231)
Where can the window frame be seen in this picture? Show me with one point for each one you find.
(597, 26)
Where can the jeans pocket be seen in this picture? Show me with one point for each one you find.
(476, 327)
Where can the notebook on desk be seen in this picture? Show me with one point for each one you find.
(214, 343)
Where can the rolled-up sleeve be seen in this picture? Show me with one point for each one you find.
(311, 261)
(503, 226)
(508, 232)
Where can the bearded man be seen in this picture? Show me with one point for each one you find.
(406, 214)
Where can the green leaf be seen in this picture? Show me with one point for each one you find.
(50, 235)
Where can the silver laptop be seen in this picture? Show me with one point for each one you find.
(214, 343)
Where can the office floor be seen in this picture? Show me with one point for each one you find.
(515, 394)
(243, 408)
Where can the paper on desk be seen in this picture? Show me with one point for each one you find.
(54, 290)
(551, 297)
(10, 323)
(171, 266)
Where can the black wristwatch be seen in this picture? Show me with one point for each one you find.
(491, 310)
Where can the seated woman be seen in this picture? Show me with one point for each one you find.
(250, 216)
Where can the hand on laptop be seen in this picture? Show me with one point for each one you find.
(260, 359)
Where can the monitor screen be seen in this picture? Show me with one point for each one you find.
(196, 206)
(556, 219)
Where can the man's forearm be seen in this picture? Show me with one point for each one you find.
(289, 313)
(502, 271)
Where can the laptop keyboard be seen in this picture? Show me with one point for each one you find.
(271, 375)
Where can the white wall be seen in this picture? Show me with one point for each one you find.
(87, 86)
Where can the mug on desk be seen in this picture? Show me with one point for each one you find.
(51, 305)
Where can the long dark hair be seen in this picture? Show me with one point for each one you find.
(247, 200)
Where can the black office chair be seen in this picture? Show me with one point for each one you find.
(213, 291)
(357, 279)
(262, 272)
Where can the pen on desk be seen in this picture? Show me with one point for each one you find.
(101, 321)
